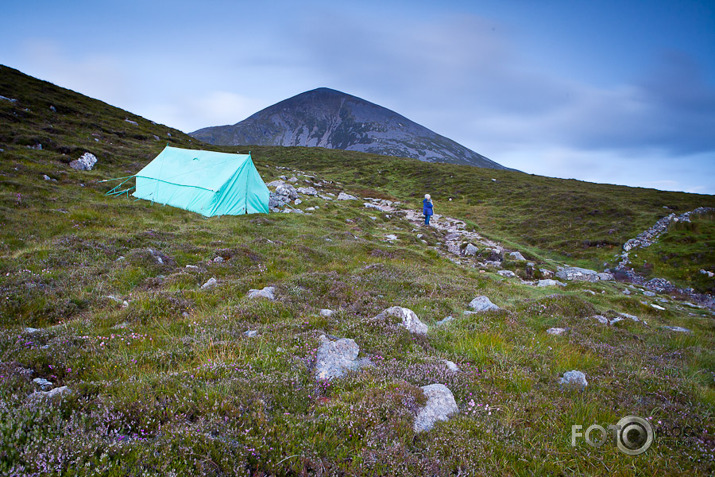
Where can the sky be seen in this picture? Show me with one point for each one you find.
(619, 92)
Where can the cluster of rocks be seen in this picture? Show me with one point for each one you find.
(285, 194)
(337, 356)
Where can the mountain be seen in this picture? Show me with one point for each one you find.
(327, 118)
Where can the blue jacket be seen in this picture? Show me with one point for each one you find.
(427, 207)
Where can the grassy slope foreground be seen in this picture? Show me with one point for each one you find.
(169, 384)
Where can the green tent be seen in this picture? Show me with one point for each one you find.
(209, 183)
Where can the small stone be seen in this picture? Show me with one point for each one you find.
(556, 331)
(307, 191)
(440, 405)
(470, 250)
(408, 317)
(52, 394)
(212, 282)
(344, 196)
(250, 333)
(32, 330)
(517, 256)
(601, 319)
(325, 312)
(648, 293)
(451, 366)
(445, 320)
(335, 358)
(482, 303)
(574, 378)
(547, 282)
(218, 259)
(657, 307)
(266, 292)
(85, 163)
(678, 329)
(44, 384)
(626, 291)
(507, 273)
(390, 237)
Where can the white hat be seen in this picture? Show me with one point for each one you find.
(427, 196)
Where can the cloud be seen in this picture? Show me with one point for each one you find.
(99, 76)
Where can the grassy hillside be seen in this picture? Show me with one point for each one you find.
(169, 384)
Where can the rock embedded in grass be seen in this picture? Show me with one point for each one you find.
(574, 378)
(266, 292)
(44, 384)
(507, 273)
(210, 283)
(556, 331)
(335, 358)
(582, 274)
(52, 394)
(344, 196)
(678, 329)
(327, 313)
(517, 256)
(440, 405)
(85, 162)
(410, 321)
(547, 282)
(482, 303)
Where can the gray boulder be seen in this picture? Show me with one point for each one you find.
(517, 256)
(507, 273)
(482, 303)
(212, 282)
(547, 282)
(44, 384)
(85, 163)
(327, 313)
(410, 321)
(335, 358)
(266, 292)
(678, 329)
(344, 196)
(470, 250)
(582, 274)
(307, 190)
(574, 378)
(440, 405)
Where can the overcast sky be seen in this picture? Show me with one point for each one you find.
(604, 91)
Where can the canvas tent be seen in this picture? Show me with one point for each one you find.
(206, 182)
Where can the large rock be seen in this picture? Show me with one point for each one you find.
(85, 163)
(335, 358)
(517, 256)
(470, 250)
(440, 405)
(482, 303)
(408, 317)
(344, 196)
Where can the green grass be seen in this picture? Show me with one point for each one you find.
(170, 385)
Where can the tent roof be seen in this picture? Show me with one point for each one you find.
(193, 168)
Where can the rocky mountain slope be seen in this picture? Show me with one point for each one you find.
(338, 336)
(327, 118)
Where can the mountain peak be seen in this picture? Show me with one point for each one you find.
(324, 117)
